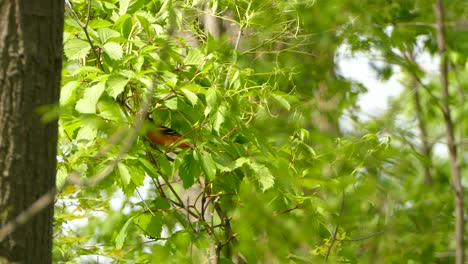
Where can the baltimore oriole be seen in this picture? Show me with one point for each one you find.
(165, 136)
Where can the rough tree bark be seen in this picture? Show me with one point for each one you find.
(30, 68)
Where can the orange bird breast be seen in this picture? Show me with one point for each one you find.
(165, 136)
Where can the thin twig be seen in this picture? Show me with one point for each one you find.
(187, 210)
(87, 14)
(287, 210)
(435, 100)
(85, 28)
(183, 136)
(361, 238)
(144, 202)
(229, 233)
(281, 34)
(176, 204)
(239, 34)
(425, 148)
(229, 133)
(335, 233)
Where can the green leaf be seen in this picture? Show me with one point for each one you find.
(208, 165)
(87, 105)
(196, 88)
(160, 203)
(71, 125)
(72, 22)
(230, 166)
(219, 118)
(262, 173)
(189, 169)
(139, 63)
(182, 240)
(113, 50)
(150, 224)
(137, 175)
(62, 175)
(166, 167)
(92, 34)
(84, 70)
(235, 81)
(149, 168)
(265, 178)
(194, 57)
(123, 6)
(87, 132)
(108, 5)
(148, 82)
(212, 100)
(166, 7)
(124, 174)
(100, 23)
(110, 110)
(136, 5)
(212, 97)
(172, 103)
(127, 73)
(170, 78)
(120, 239)
(147, 26)
(68, 91)
(115, 85)
(191, 96)
(107, 33)
(124, 25)
(76, 49)
(282, 101)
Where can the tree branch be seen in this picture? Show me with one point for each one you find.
(425, 146)
(27, 214)
(85, 28)
(335, 233)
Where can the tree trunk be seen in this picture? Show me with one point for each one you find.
(455, 168)
(30, 69)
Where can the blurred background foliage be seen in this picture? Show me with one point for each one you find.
(256, 88)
